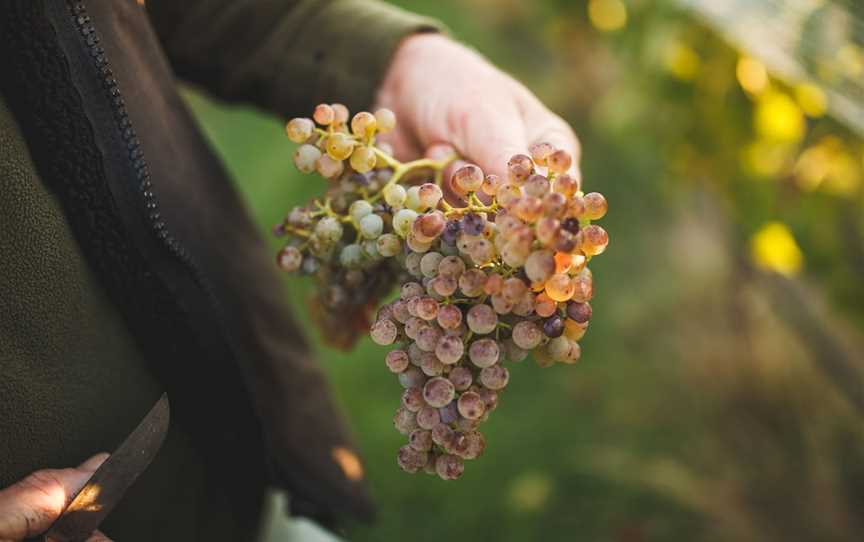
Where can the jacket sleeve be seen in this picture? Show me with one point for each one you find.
(284, 55)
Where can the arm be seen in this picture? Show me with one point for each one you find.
(284, 56)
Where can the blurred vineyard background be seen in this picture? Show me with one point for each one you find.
(721, 391)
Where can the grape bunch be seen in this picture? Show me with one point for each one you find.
(498, 272)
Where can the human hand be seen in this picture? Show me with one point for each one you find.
(29, 507)
(443, 92)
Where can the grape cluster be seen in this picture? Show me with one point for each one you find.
(483, 283)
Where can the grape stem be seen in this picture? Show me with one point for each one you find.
(401, 169)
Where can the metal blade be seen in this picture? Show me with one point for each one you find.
(113, 478)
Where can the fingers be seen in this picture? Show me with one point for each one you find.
(29, 507)
(98, 536)
(488, 134)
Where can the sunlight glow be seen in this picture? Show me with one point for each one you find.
(773, 248)
(348, 462)
(607, 15)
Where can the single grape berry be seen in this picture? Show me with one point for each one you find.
(299, 130)
(473, 224)
(438, 392)
(553, 326)
(471, 405)
(579, 312)
(289, 259)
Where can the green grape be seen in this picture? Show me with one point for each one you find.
(363, 124)
(412, 264)
(429, 264)
(403, 220)
(363, 159)
(339, 146)
(289, 259)
(412, 199)
(329, 229)
(559, 348)
(306, 158)
(360, 209)
(389, 245)
(299, 130)
(426, 308)
(371, 226)
(395, 195)
(386, 120)
(351, 256)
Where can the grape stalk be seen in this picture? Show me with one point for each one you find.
(495, 274)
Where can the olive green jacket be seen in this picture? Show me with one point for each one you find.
(130, 267)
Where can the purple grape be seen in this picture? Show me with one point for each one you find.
(451, 232)
(553, 326)
(473, 224)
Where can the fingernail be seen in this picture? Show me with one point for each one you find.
(94, 462)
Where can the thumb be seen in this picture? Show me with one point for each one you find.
(30, 506)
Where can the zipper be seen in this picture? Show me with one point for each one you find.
(134, 150)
